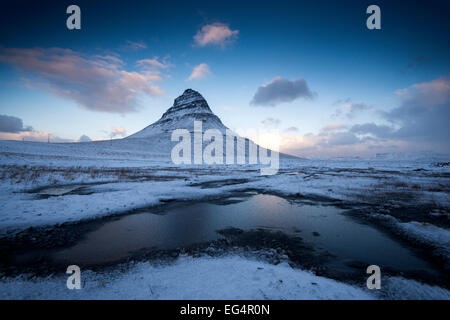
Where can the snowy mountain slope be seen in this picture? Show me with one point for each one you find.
(187, 108)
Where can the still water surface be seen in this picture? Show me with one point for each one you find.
(327, 228)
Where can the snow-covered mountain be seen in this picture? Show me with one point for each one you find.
(154, 142)
(187, 108)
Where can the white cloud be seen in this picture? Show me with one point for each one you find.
(215, 34)
(199, 72)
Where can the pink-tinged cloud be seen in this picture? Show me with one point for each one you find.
(199, 72)
(215, 34)
(95, 82)
(154, 63)
(118, 132)
(34, 136)
(429, 94)
(419, 123)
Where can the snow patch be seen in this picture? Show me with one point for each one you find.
(230, 277)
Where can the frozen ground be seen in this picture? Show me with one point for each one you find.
(42, 185)
(118, 177)
(200, 278)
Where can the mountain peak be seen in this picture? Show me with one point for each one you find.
(187, 108)
(189, 103)
(189, 96)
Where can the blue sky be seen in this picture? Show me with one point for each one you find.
(147, 53)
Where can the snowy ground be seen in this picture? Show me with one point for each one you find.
(51, 184)
(200, 278)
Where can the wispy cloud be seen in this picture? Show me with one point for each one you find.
(215, 34)
(136, 45)
(350, 109)
(281, 90)
(199, 72)
(95, 82)
(271, 123)
(154, 63)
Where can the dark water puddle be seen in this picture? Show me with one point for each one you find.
(349, 245)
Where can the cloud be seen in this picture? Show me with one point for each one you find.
(340, 101)
(349, 109)
(321, 144)
(281, 90)
(35, 136)
(215, 34)
(199, 72)
(339, 138)
(419, 123)
(424, 112)
(97, 83)
(271, 123)
(380, 131)
(291, 129)
(12, 124)
(154, 64)
(84, 138)
(11, 128)
(421, 119)
(332, 127)
(136, 45)
(117, 132)
(337, 145)
(422, 115)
